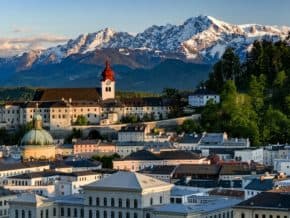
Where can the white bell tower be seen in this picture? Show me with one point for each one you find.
(108, 83)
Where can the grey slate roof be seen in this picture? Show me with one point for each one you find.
(260, 185)
(127, 181)
(270, 200)
(161, 170)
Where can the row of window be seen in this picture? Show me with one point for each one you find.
(264, 216)
(223, 215)
(114, 215)
(120, 202)
(113, 203)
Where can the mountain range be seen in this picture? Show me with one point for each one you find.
(178, 56)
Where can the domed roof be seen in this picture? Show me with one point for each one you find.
(108, 73)
(37, 135)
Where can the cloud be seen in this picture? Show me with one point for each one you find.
(21, 30)
(14, 46)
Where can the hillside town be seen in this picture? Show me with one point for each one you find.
(79, 157)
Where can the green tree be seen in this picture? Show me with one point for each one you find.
(81, 120)
(257, 92)
(189, 126)
(228, 68)
(107, 161)
(276, 127)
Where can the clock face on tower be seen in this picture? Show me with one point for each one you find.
(108, 82)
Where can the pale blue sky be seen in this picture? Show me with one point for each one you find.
(69, 18)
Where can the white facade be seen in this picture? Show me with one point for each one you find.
(273, 152)
(282, 165)
(108, 89)
(249, 155)
(201, 100)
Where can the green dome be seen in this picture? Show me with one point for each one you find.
(37, 137)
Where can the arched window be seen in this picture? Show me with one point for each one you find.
(97, 214)
(23, 214)
(112, 214)
(242, 215)
(135, 203)
(97, 201)
(90, 214)
(120, 202)
(29, 214)
(90, 201)
(112, 202)
(105, 201)
(128, 203)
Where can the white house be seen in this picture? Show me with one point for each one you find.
(201, 96)
(249, 155)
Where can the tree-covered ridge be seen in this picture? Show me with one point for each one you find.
(16, 94)
(255, 94)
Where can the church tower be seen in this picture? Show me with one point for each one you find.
(108, 82)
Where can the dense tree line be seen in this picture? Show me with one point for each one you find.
(255, 94)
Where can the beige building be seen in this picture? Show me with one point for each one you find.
(143, 159)
(61, 107)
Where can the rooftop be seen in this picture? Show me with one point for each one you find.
(199, 208)
(204, 91)
(76, 94)
(260, 184)
(164, 170)
(130, 181)
(270, 200)
(16, 166)
(197, 169)
(6, 192)
(190, 138)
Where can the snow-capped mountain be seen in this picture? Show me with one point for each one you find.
(200, 39)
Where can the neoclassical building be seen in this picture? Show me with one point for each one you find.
(125, 195)
(60, 107)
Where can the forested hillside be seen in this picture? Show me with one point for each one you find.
(255, 94)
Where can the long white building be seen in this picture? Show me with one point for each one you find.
(60, 107)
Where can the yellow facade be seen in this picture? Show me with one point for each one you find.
(38, 152)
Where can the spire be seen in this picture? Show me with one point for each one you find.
(108, 73)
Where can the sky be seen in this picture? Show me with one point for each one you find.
(33, 24)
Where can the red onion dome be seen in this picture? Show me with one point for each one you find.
(108, 73)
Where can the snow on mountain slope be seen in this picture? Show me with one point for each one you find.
(201, 38)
